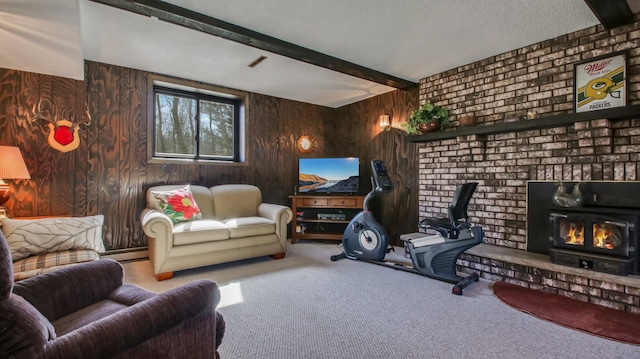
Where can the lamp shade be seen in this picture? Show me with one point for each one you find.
(12, 164)
(384, 122)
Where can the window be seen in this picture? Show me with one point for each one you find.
(195, 125)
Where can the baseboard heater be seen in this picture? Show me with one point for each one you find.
(127, 254)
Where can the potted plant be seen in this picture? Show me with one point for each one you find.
(427, 118)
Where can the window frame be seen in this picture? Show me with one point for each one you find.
(197, 91)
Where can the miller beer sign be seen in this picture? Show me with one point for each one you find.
(600, 83)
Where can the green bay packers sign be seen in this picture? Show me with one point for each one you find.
(601, 83)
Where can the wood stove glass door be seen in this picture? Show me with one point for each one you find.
(611, 236)
(571, 231)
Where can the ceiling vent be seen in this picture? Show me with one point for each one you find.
(257, 61)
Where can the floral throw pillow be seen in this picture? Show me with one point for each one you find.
(179, 205)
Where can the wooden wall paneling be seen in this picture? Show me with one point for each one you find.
(307, 120)
(342, 132)
(96, 103)
(126, 212)
(282, 186)
(27, 134)
(138, 148)
(113, 144)
(390, 216)
(8, 118)
(290, 132)
(370, 142)
(317, 120)
(303, 119)
(268, 156)
(13, 121)
(259, 140)
(401, 206)
(104, 149)
(276, 124)
(80, 155)
(40, 87)
(60, 166)
(129, 159)
(396, 211)
(27, 90)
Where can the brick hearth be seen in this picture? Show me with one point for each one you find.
(535, 271)
(536, 79)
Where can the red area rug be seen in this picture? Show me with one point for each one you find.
(587, 317)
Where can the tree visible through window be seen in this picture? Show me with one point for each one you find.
(195, 125)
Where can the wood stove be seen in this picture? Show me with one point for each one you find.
(603, 239)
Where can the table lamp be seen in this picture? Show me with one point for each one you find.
(12, 166)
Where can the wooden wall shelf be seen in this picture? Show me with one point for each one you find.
(618, 113)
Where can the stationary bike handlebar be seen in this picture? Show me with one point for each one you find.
(380, 182)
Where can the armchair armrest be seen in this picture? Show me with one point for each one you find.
(66, 290)
(131, 326)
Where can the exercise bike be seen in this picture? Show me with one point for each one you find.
(432, 256)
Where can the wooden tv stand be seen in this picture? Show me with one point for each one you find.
(307, 225)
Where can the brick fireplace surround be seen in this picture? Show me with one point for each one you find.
(505, 88)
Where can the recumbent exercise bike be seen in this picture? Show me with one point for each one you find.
(432, 256)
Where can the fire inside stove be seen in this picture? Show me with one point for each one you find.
(604, 242)
(605, 236)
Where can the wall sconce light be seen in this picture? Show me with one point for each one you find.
(384, 123)
(12, 166)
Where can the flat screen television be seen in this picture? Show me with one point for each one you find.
(329, 175)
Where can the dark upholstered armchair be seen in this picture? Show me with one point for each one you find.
(85, 311)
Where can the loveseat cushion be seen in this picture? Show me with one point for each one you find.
(235, 200)
(202, 230)
(249, 226)
(29, 237)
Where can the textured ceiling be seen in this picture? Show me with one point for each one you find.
(409, 39)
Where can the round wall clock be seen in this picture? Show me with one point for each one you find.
(304, 144)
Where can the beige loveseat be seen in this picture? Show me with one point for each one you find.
(234, 225)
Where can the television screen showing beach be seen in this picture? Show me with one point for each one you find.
(327, 175)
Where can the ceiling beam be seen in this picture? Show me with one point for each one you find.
(611, 13)
(196, 21)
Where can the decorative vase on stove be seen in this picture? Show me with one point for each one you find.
(563, 199)
(577, 195)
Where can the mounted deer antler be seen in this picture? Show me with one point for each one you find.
(40, 114)
(86, 118)
(63, 134)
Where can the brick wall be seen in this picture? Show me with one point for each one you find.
(506, 87)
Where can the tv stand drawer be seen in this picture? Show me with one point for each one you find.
(315, 202)
(343, 202)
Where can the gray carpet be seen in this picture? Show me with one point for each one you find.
(305, 306)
